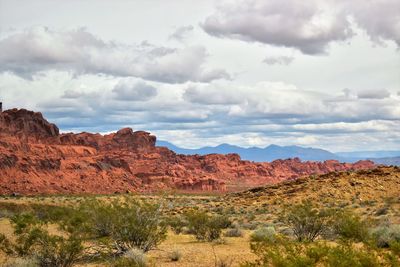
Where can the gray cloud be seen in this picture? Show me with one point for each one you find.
(281, 60)
(373, 94)
(290, 23)
(309, 26)
(39, 49)
(128, 90)
(380, 19)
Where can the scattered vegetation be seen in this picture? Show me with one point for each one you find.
(298, 223)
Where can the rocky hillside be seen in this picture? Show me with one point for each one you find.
(36, 159)
(372, 192)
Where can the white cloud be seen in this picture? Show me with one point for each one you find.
(306, 25)
(309, 26)
(39, 49)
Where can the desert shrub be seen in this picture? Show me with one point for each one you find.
(136, 225)
(385, 235)
(395, 248)
(132, 258)
(349, 226)
(99, 216)
(5, 244)
(21, 262)
(56, 251)
(175, 255)
(234, 232)
(285, 252)
(249, 225)
(215, 225)
(345, 255)
(8, 209)
(51, 213)
(120, 225)
(35, 242)
(264, 234)
(205, 226)
(177, 224)
(382, 211)
(307, 222)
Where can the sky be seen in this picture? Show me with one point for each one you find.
(317, 73)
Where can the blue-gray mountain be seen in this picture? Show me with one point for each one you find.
(273, 152)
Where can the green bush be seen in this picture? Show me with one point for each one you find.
(21, 262)
(205, 226)
(177, 224)
(56, 251)
(95, 217)
(35, 242)
(385, 235)
(264, 234)
(349, 226)
(307, 222)
(120, 225)
(285, 252)
(234, 232)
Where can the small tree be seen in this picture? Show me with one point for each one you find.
(307, 222)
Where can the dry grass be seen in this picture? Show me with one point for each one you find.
(201, 254)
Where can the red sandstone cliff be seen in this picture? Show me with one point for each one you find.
(35, 159)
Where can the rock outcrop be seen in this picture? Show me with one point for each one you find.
(36, 159)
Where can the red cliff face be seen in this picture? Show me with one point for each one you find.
(36, 159)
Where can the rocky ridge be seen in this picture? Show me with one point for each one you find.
(36, 159)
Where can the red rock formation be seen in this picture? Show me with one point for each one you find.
(36, 159)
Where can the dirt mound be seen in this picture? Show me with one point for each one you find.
(36, 159)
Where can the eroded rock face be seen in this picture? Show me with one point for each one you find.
(28, 124)
(36, 159)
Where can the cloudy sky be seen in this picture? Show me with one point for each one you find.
(247, 72)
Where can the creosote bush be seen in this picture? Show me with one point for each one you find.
(206, 227)
(385, 236)
(308, 222)
(35, 242)
(264, 234)
(234, 232)
(176, 223)
(349, 226)
(113, 228)
(126, 223)
(286, 252)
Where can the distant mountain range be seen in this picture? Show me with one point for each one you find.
(273, 152)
